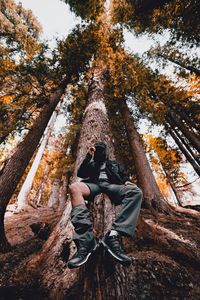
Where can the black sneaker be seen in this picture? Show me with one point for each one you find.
(112, 244)
(82, 255)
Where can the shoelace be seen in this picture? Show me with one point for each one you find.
(82, 252)
(114, 242)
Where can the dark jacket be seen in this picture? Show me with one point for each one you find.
(90, 171)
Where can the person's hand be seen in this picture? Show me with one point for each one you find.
(129, 183)
(91, 151)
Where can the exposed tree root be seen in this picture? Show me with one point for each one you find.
(178, 244)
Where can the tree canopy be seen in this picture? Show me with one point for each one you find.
(108, 93)
(180, 17)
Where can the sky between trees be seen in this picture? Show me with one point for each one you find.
(57, 21)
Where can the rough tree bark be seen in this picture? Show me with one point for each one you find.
(146, 180)
(16, 165)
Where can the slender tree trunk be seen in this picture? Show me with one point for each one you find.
(191, 136)
(184, 151)
(146, 180)
(182, 139)
(175, 61)
(189, 120)
(38, 194)
(180, 113)
(54, 196)
(174, 190)
(63, 192)
(22, 198)
(15, 167)
(169, 181)
(188, 147)
(43, 180)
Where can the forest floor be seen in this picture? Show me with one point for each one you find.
(165, 256)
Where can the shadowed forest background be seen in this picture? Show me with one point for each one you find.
(54, 103)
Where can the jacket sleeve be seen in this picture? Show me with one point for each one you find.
(123, 174)
(85, 169)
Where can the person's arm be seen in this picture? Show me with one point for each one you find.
(85, 169)
(124, 175)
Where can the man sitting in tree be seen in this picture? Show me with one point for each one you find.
(101, 175)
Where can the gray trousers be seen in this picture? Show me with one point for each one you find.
(130, 198)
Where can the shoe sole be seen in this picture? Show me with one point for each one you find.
(113, 254)
(85, 260)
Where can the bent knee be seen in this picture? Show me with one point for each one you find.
(135, 190)
(74, 187)
(140, 192)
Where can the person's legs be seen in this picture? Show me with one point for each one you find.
(80, 214)
(130, 198)
(78, 191)
(80, 218)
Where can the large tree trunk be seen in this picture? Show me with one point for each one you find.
(22, 199)
(15, 167)
(146, 180)
(91, 280)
